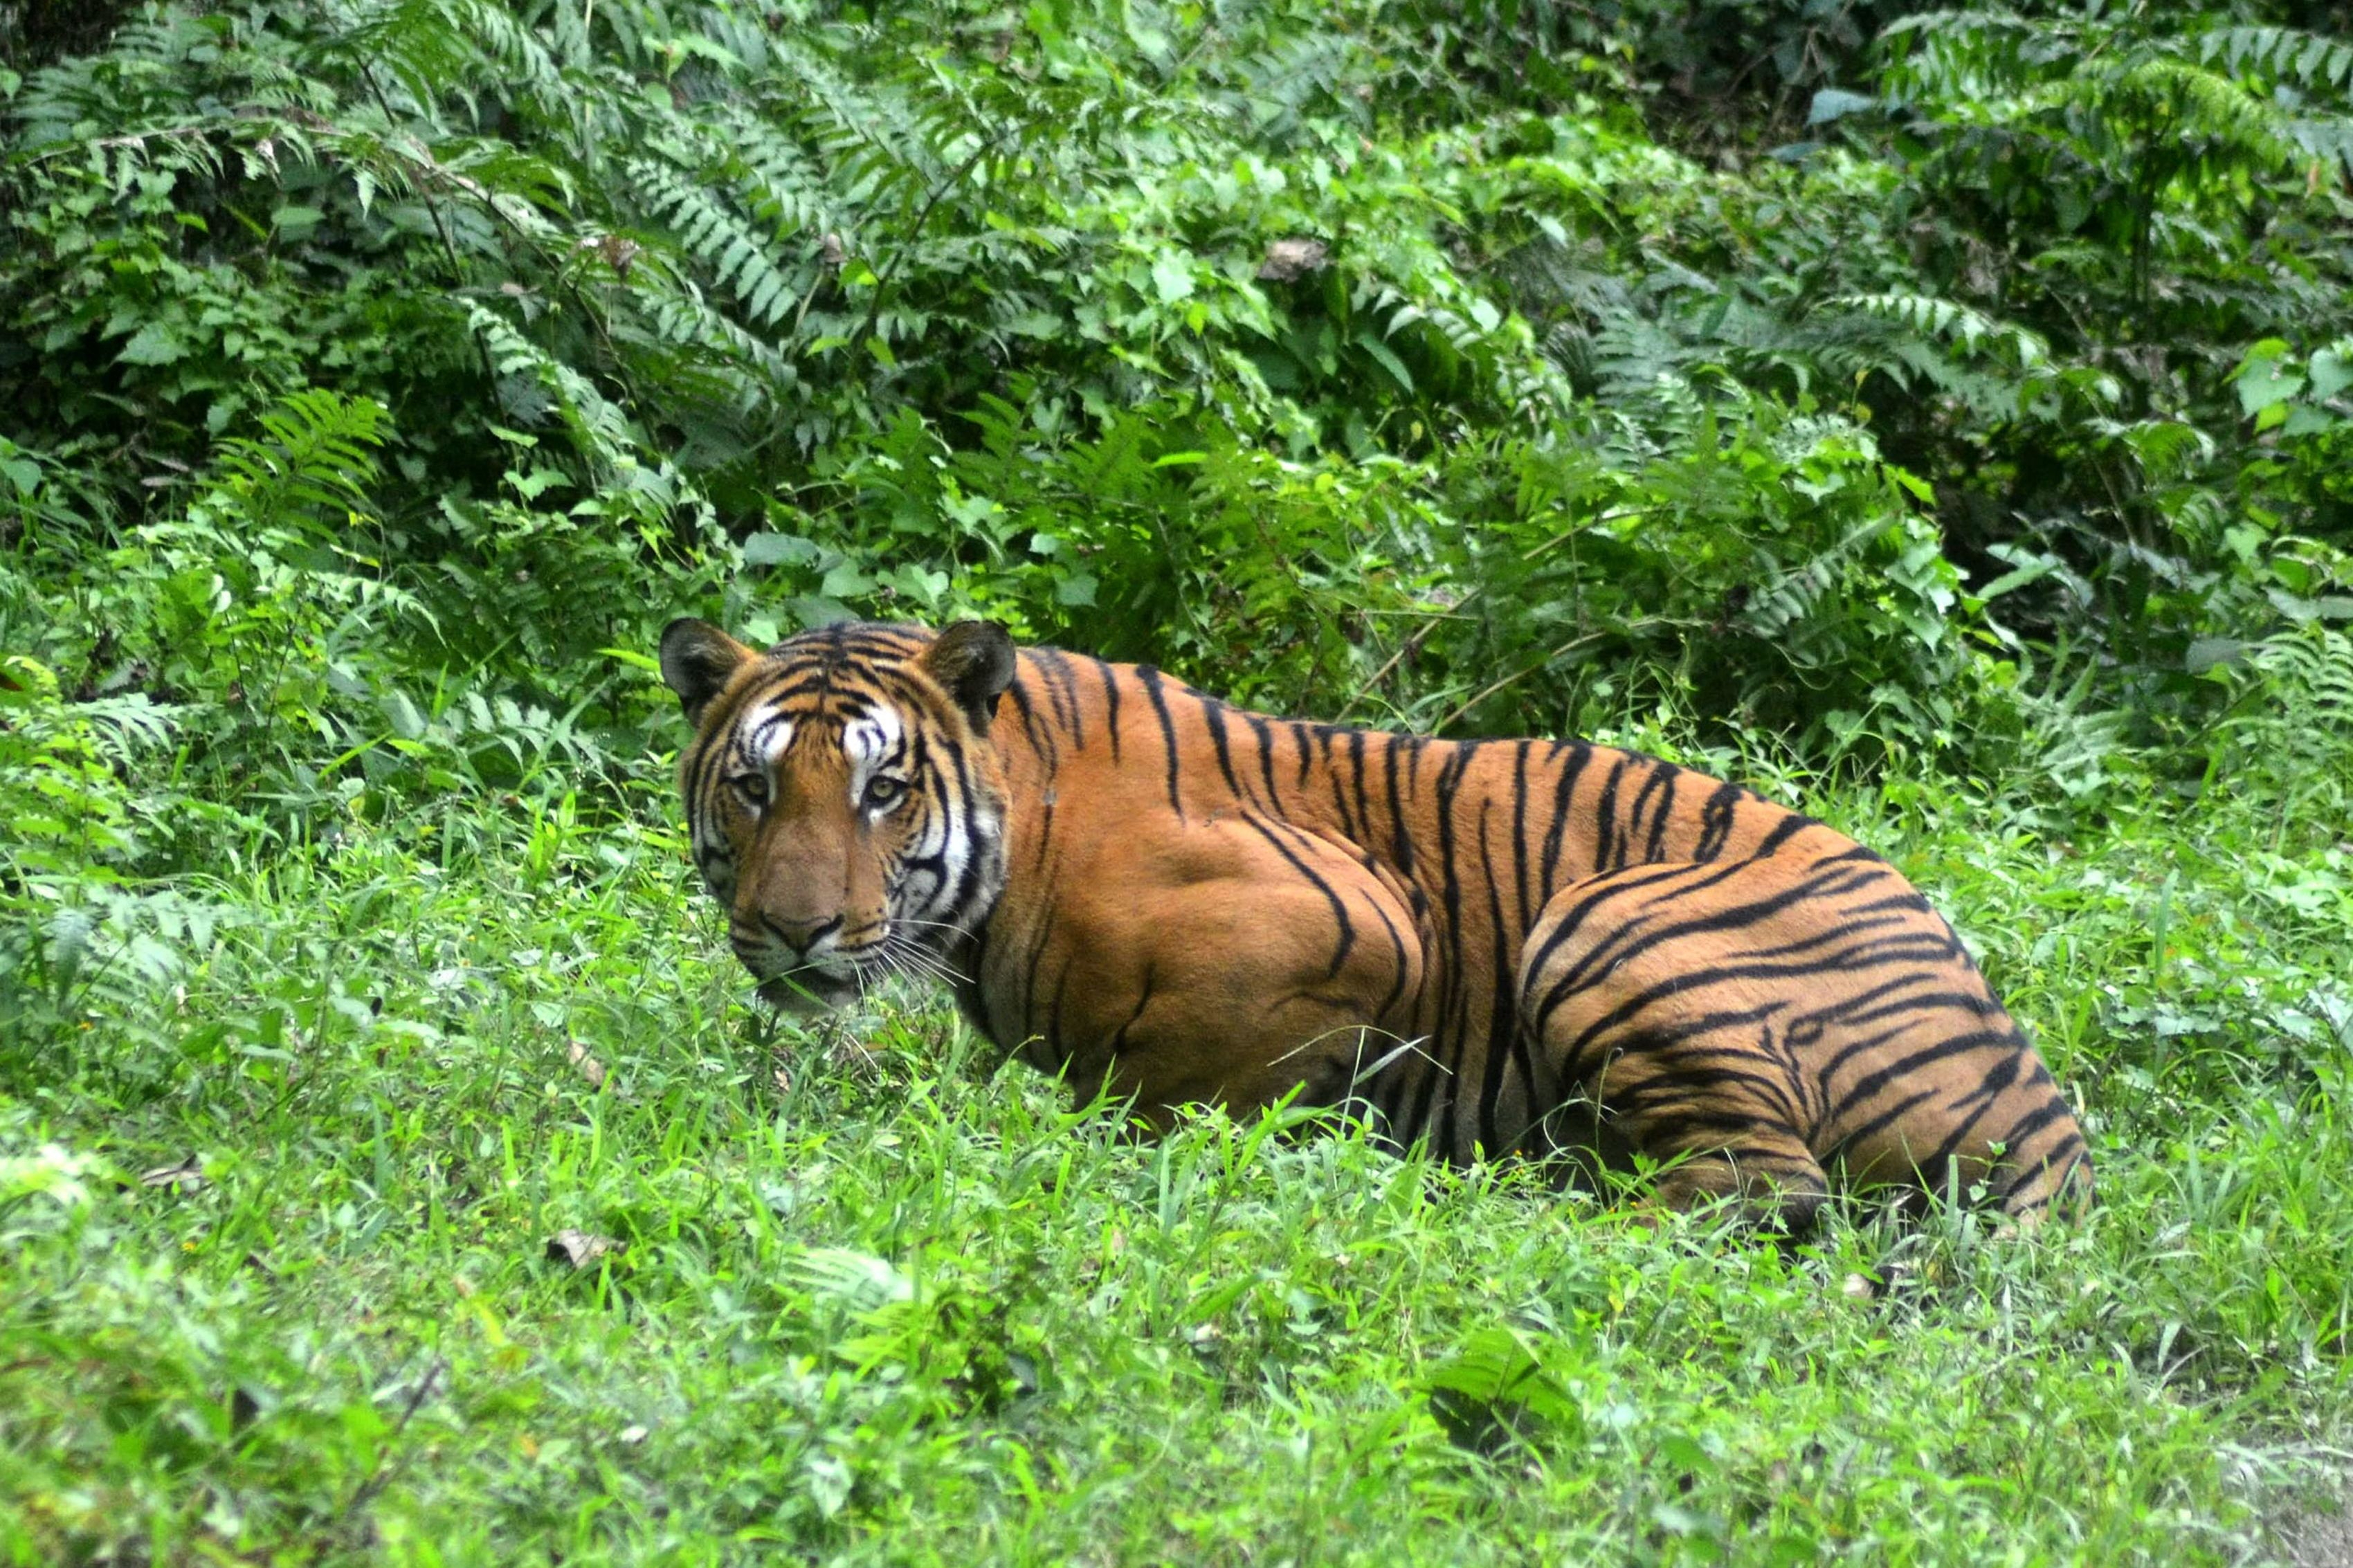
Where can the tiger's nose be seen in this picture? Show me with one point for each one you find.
(798, 935)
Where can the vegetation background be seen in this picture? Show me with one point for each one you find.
(1943, 420)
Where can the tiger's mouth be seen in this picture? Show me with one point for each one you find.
(804, 985)
(825, 983)
(807, 992)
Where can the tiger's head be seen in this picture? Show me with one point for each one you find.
(843, 797)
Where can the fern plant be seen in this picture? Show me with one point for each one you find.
(1385, 356)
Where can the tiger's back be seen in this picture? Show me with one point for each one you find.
(1501, 947)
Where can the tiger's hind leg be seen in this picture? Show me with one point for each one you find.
(1709, 1117)
(1769, 1019)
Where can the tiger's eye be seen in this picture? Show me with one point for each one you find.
(882, 793)
(752, 788)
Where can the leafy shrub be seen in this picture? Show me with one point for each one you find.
(1379, 362)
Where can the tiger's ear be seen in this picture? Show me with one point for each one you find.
(973, 661)
(697, 659)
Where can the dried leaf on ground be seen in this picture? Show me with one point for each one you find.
(1289, 259)
(588, 1066)
(187, 1176)
(580, 1248)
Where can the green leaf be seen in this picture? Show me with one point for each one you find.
(1387, 360)
(1172, 277)
(778, 549)
(634, 659)
(154, 343)
(2016, 578)
(1914, 485)
(1835, 103)
(845, 581)
(2262, 379)
(2209, 653)
(1498, 1368)
(2331, 372)
(407, 721)
(926, 585)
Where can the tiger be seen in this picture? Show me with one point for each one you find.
(1498, 949)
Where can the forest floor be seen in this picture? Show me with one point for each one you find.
(2320, 1537)
(452, 1207)
(393, 1167)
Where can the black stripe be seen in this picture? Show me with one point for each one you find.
(2063, 1158)
(1265, 734)
(2013, 1138)
(1621, 885)
(1045, 830)
(1404, 963)
(1564, 794)
(1676, 1074)
(1906, 1066)
(1364, 825)
(1454, 993)
(1661, 814)
(1400, 842)
(1339, 908)
(1789, 828)
(1519, 844)
(1881, 1122)
(1064, 688)
(1047, 749)
(1029, 970)
(1605, 823)
(1998, 1078)
(1151, 680)
(1213, 714)
(1502, 1030)
(1716, 819)
(1111, 705)
(1656, 1037)
(1622, 946)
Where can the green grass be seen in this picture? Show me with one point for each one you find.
(875, 1301)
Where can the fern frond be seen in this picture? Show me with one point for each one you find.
(736, 257)
(1794, 594)
(2314, 63)
(2162, 449)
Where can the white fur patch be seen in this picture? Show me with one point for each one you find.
(956, 848)
(869, 742)
(765, 735)
(758, 738)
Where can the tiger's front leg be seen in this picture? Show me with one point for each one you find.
(1229, 962)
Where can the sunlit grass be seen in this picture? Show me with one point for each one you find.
(873, 1297)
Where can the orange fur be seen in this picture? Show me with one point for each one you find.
(1507, 947)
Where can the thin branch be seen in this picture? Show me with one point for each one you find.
(1491, 688)
(387, 1468)
(1454, 611)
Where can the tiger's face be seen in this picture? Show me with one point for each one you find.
(843, 798)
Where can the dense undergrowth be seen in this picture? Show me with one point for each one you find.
(281, 1274)
(1939, 419)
